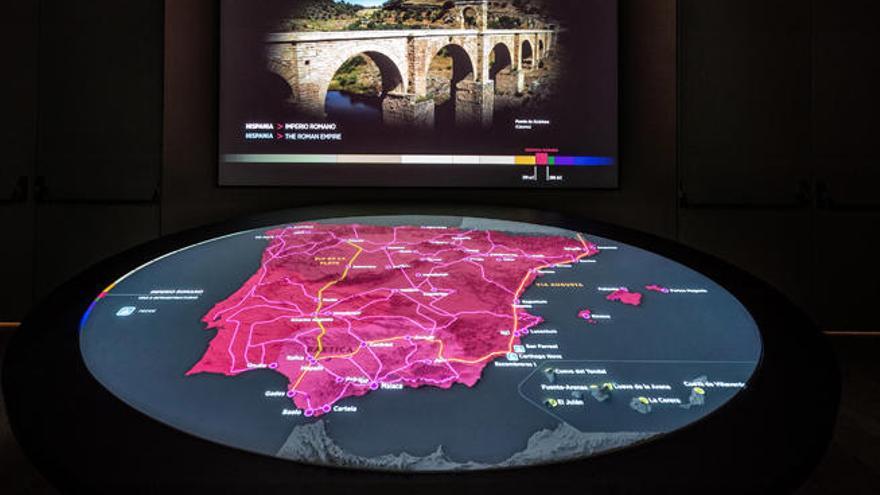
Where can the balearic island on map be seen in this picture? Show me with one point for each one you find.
(343, 310)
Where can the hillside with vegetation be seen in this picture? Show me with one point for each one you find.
(338, 15)
(359, 76)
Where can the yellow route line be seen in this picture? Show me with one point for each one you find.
(342, 356)
(475, 361)
(440, 357)
(321, 297)
(321, 305)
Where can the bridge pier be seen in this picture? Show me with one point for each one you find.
(308, 83)
(408, 110)
(511, 81)
(312, 100)
(474, 103)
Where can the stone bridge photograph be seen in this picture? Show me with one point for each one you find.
(418, 63)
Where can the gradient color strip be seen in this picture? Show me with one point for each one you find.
(540, 159)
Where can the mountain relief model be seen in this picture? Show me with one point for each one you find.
(343, 310)
(311, 444)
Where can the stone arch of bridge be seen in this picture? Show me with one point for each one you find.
(501, 58)
(392, 71)
(462, 63)
(443, 90)
(527, 55)
(504, 72)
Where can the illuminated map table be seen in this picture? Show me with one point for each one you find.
(514, 347)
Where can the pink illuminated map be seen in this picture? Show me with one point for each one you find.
(418, 343)
(624, 296)
(586, 314)
(657, 288)
(341, 310)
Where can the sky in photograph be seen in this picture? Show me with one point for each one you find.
(366, 3)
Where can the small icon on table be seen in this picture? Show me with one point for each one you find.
(126, 311)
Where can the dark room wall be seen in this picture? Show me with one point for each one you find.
(82, 139)
(747, 130)
(778, 166)
(845, 131)
(18, 138)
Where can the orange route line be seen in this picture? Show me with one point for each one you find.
(516, 297)
(370, 342)
(321, 297)
(440, 357)
(321, 305)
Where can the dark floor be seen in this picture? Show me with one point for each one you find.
(851, 466)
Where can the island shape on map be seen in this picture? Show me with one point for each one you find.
(624, 296)
(586, 314)
(657, 288)
(342, 310)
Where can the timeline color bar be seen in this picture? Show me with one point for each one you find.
(540, 159)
